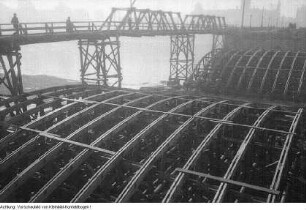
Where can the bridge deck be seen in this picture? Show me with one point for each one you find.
(129, 22)
(24, 39)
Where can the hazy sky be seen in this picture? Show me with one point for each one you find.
(185, 6)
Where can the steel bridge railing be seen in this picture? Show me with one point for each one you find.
(50, 28)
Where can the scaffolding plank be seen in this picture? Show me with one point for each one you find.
(228, 181)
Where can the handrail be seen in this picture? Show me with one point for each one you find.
(129, 23)
(46, 28)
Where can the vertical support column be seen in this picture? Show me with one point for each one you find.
(218, 42)
(219, 38)
(181, 57)
(100, 62)
(10, 72)
(82, 54)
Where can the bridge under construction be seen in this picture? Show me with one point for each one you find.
(234, 133)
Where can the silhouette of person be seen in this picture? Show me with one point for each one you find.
(130, 23)
(69, 25)
(15, 23)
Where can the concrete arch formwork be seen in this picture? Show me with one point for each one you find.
(275, 75)
(102, 144)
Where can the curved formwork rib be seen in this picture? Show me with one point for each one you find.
(82, 113)
(68, 169)
(290, 73)
(248, 75)
(67, 107)
(239, 155)
(43, 119)
(91, 185)
(301, 81)
(279, 172)
(53, 114)
(279, 72)
(223, 71)
(132, 185)
(54, 103)
(205, 65)
(255, 70)
(245, 68)
(179, 178)
(271, 74)
(267, 71)
(106, 145)
(233, 71)
(51, 154)
(18, 108)
(20, 98)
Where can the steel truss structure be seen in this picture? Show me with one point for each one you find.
(273, 74)
(181, 57)
(99, 144)
(218, 42)
(10, 72)
(121, 21)
(100, 57)
(100, 61)
(132, 19)
(200, 22)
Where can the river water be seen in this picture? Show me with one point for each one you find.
(144, 60)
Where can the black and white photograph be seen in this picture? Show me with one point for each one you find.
(189, 102)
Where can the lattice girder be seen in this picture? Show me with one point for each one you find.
(100, 62)
(181, 57)
(10, 72)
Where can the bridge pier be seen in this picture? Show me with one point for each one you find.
(218, 42)
(100, 61)
(181, 57)
(10, 67)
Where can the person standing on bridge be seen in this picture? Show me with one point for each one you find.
(130, 23)
(15, 23)
(69, 25)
